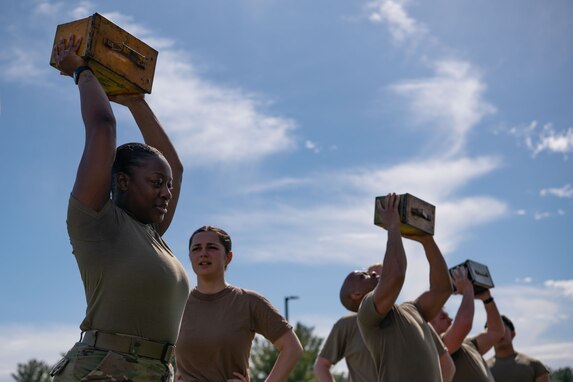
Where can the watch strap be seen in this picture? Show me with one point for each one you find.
(79, 71)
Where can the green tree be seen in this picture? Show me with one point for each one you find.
(33, 371)
(264, 355)
(564, 374)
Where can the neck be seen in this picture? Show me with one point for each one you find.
(504, 351)
(210, 286)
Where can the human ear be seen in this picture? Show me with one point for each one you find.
(229, 258)
(122, 181)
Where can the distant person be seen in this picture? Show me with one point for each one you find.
(507, 365)
(467, 352)
(345, 341)
(221, 320)
(135, 287)
(399, 338)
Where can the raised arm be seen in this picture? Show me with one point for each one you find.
(290, 350)
(495, 328)
(154, 135)
(460, 328)
(93, 179)
(431, 302)
(394, 269)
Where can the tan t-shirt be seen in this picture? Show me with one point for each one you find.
(470, 365)
(345, 341)
(133, 283)
(402, 343)
(516, 368)
(217, 332)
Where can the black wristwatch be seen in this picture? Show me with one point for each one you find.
(79, 71)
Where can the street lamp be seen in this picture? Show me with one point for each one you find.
(287, 298)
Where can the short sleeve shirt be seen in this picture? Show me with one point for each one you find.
(217, 332)
(470, 365)
(516, 368)
(402, 343)
(345, 341)
(133, 282)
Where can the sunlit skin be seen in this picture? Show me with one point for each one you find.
(146, 192)
(209, 261)
(442, 322)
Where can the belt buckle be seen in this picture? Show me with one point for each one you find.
(168, 351)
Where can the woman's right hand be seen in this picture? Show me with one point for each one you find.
(65, 55)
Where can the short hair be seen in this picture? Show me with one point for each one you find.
(508, 323)
(131, 155)
(348, 286)
(223, 236)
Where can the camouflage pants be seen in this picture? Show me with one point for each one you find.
(85, 363)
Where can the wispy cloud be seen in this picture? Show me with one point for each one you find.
(402, 26)
(545, 139)
(452, 101)
(43, 342)
(329, 229)
(212, 123)
(565, 286)
(562, 192)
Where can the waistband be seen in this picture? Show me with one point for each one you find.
(123, 343)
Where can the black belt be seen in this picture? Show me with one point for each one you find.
(123, 343)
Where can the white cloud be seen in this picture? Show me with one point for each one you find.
(545, 139)
(212, 124)
(565, 286)
(452, 101)
(23, 342)
(311, 146)
(562, 192)
(333, 230)
(524, 280)
(541, 215)
(49, 9)
(401, 25)
(274, 185)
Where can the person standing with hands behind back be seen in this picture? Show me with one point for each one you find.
(135, 286)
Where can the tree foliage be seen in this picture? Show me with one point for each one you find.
(564, 374)
(264, 355)
(33, 371)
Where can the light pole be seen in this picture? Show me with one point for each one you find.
(287, 298)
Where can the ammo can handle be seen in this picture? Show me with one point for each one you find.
(421, 213)
(137, 58)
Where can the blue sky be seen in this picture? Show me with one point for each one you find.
(290, 117)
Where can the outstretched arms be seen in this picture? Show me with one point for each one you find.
(394, 269)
